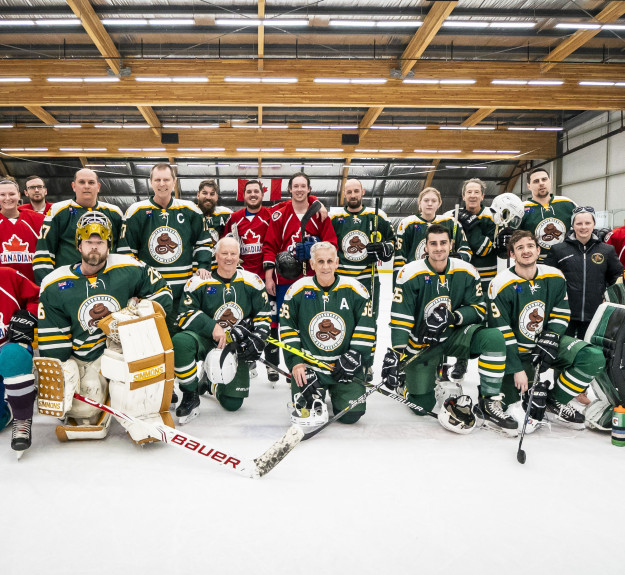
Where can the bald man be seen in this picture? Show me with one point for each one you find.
(56, 244)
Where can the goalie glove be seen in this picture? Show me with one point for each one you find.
(467, 220)
(346, 366)
(391, 374)
(380, 251)
(502, 242)
(21, 327)
(435, 325)
(546, 350)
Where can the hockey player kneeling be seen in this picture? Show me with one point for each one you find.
(529, 305)
(438, 309)
(209, 309)
(76, 303)
(330, 317)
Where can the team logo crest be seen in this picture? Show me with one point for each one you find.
(251, 243)
(441, 301)
(354, 245)
(228, 315)
(94, 308)
(531, 319)
(597, 258)
(165, 245)
(419, 253)
(327, 330)
(550, 232)
(15, 251)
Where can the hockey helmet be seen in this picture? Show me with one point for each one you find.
(287, 266)
(93, 223)
(308, 413)
(456, 415)
(218, 369)
(507, 210)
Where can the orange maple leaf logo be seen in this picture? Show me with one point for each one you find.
(14, 245)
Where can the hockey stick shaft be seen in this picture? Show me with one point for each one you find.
(403, 400)
(310, 212)
(275, 367)
(520, 452)
(374, 238)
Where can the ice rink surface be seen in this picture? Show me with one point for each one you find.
(395, 493)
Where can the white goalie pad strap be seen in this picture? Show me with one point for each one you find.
(57, 383)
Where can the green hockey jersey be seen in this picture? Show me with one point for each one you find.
(56, 245)
(420, 290)
(71, 304)
(521, 309)
(215, 300)
(172, 240)
(410, 242)
(480, 240)
(216, 223)
(548, 223)
(353, 231)
(327, 322)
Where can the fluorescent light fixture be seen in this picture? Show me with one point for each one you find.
(101, 79)
(458, 81)
(350, 80)
(274, 126)
(383, 127)
(59, 22)
(171, 22)
(238, 22)
(613, 27)
(16, 22)
(330, 149)
(595, 83)
(96, 165)
(177, 126)
(419, 81)
(353, 23)
(189, 149)
(2, 126)
(248, 165)
(253, 126)
(390, 150)
(481, 128)
(465, 24)
(368, 80)
(64, 79)
(512, 24)
(418, 151)
(35, 149)
(577, 26)
(344, 127)
(67, 125)
(248, 149)
(152, 78)
(453, 167)
(286, 22)
(14, 79)
(213, 149)
(620, 84)
(272, 149)
(331, 80)
(410, 166)
(449, 151)
(545, 82)
(521, 128)
(124, 21)
(511, 82)
(12, 149)
(129, 149)
(508, 151)
(484, 151)
(476, 167)
(399, 23)
(367, 150)
(315, 127)
(94, 149)
(153, 149)
(279, 80)
(70, 149)
(113, 126)
(116, 165)
(136, 126)
(241, 79)
(306, 149)
(205, 126)
(190, 79)
(412, 127)
(549, 129)
(452, 128)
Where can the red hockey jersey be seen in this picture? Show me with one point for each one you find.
(18, 241)
(28, 207)
(284, 233)
(616, 238)
(251, 233)
(16, 292)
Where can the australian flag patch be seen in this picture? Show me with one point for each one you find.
(211, 290)
(148, 213)
(66, 285)
(310, 294)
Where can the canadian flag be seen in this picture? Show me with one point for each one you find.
(272, 189)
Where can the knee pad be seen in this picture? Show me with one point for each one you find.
(230, 403)
(351, 417)
(590, 360)
(426, 400)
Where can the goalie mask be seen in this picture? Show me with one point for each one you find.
(507, 210)
(457, 415)
(287, 266)
(93, 223)
(218, 369)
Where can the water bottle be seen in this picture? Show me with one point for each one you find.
(618, 426)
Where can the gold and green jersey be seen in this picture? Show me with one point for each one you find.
(353, 232)
(71, 304)
(327, 321)
(521, 309)
(216, 223)
(56, 245)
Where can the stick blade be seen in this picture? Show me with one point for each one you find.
(520, 456)
(279, 450)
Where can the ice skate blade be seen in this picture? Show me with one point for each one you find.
(20, 454)
(500, 430)
(184, 419)
(553, 418)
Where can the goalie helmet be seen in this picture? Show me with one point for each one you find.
(218, 372)
(287, 266)
(457, 415)
(93, 223)
(507, 210)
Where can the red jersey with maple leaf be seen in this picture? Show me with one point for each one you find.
(29, 207)
(251, 231)
(284, 233)
(18, 240)
(16, 292)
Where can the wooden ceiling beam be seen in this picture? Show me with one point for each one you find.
(44, 116)
(477, 117)
(425, 34)
(3, 169)
(151, 118)
(369, 119)
(430, 177)
(613, 11)
(98, 34)
(345, 175)
(261, 35)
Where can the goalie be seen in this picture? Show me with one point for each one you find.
(76, 304)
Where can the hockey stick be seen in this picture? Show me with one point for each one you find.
(275, 367)
(520, 454)
(310, 212)
(246, 467)
(375, 237)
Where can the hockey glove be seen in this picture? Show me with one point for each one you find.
(382, 251)
(467, 220)
(250, 346)
(311, 391)
(302, 249)
(546, 350)
(435, 325)
(21, 327)
(346, 366)
(502, 241)
(539, 401)
(391, 375)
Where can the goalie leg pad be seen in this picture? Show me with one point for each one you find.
(73, 431)
(92, 385)
(57, 383)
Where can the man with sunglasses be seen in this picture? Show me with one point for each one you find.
(36, 192)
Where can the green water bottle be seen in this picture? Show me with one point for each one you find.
(618, 426)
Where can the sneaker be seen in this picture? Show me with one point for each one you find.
(272, 374)
(495, 416)
(459, 370)
(21, 436)
(565, 414)
(253, 370)
(189, 407)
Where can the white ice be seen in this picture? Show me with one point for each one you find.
(394, 493)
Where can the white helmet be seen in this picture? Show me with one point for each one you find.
(457, 415)
(215, 371)
(507, 210)
(305, 415)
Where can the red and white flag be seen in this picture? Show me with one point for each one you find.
(272, 189)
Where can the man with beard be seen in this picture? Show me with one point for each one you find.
(73, 303)
(215, 217)
(547, 216)
(231, 300)
(36, 192)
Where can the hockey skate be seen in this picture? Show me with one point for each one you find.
(496, 418)
(189, 407)
(21, 436)
(273, 376)
(459, 370)
(564, 414)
